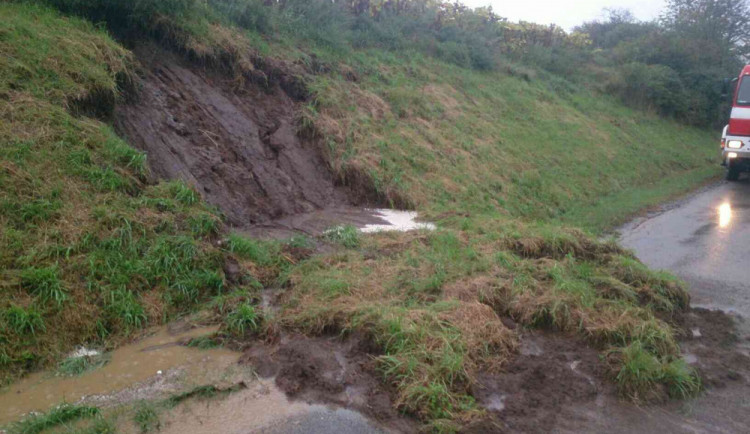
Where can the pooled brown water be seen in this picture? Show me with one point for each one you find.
(259, 405)
(129, 365)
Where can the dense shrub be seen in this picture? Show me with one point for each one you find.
(126, 13)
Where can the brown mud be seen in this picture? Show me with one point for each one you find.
(258, 408)
(314, 223)
(557, 383)
(329, 370)
(238, 147)
(550, 373)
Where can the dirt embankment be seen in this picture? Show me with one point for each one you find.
(237, 146)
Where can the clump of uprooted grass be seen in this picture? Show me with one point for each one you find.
(433, 303)
(77, 365)
(89, 251)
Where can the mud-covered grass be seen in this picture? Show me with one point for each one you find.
(437, 303)
(78, 365)
(144, 415)
(64, 414)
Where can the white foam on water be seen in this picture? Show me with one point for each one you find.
(83, 352)
(402, 221)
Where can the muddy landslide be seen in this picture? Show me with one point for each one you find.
(239, 149)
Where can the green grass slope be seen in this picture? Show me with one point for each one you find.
(507, 162)
(452, 139)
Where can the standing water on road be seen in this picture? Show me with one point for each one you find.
(703, 240)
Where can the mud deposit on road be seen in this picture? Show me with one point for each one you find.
(550, 374)
(259, 407)
(559, 384)
(238, 147)
(332, 371)
(715, 347)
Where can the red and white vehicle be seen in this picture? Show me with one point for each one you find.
(735, 145)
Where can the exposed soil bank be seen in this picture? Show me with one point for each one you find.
(238, 147)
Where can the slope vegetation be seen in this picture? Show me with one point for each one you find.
(507, 162)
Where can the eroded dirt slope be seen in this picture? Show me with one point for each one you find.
(239, 149)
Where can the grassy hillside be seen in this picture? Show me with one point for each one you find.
(522, 144)
(507, 162)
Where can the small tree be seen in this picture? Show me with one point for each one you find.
(725, 23)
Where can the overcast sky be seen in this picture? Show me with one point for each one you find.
(567, 13)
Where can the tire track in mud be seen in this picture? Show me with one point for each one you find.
(238, 148)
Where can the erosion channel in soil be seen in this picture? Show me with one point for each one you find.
(238, 146)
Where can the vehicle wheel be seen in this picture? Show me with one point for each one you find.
(733, 174)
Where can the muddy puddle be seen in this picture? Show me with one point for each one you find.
(367, 220)
(161, 366)
(260, 408)
(151, 367)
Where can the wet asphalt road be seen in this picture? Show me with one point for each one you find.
(705, 240)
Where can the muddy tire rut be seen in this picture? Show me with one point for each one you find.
(239, 148)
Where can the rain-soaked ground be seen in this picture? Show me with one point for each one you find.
(704, 239)
(156, 364)
(160, 364)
